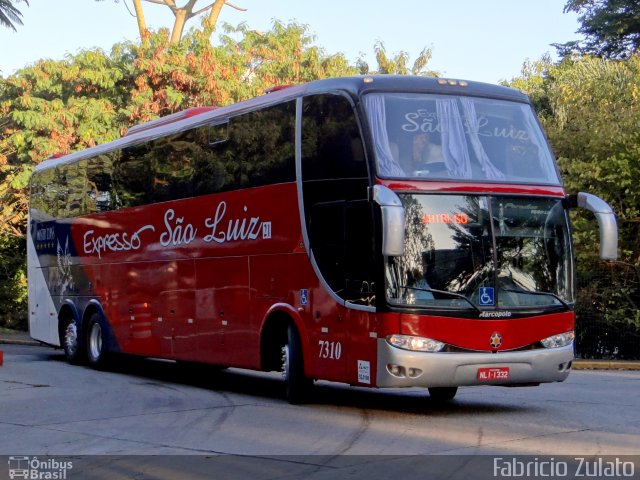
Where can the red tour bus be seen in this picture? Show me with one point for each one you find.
(380, 231)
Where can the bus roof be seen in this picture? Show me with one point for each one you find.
(174, 117)
(355, 86)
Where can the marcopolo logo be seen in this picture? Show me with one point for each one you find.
(495, 314)
(36, 469)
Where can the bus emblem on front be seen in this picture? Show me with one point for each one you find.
(496, 340)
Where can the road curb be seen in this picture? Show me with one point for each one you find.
(10, 341)
(16, 338)
(605, 365)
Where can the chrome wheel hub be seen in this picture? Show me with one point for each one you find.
(95, 341)
(285, 362)
(71, 339)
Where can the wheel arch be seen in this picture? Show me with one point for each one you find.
(68, 311)
(273, 334)
(94, 306)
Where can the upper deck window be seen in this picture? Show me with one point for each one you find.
(445, 137)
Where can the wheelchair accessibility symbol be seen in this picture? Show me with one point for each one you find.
(486, 296)
(304, 296)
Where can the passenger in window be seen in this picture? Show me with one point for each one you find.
(419, 290)
(428, 159)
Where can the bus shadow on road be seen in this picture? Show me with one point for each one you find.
(271, 386)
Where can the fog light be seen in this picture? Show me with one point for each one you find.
(564, 367)
(560, 340)
(396, 370)
(414, 372)
(415, 344)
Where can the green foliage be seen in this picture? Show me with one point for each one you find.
(60, 106)
(13, 283)
(590, 108)
(611, 28)
(608, 323)
(399, 63)
(594, 130)
(533, 81)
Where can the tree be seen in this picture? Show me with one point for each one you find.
(611, 28)
(182, 14)
(54, 107)
(591, 116)
(192, 72)
(590, 108)
(62, 106)
(399, 63)
(92, 97)
(9, 14)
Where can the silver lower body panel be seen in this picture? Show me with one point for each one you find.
(421, 369)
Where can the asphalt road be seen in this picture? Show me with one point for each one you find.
(145, 407)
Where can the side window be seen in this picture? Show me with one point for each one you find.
(81, 197)
(331, 142)
(210, 172)
(173, 159)
(267, 145)
(133, 175)
(44, 196)
(339, 217)
(66, 178)
(253, 149)
(100, 185)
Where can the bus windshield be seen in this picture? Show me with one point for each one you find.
(446, 137)
(476, 251)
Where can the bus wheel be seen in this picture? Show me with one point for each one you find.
(442, 394)
(297, 385)
(95, 343)
(70, 342)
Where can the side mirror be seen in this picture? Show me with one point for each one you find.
(606, 222)
(392, 221)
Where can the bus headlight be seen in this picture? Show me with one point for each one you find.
(415, 344)
(561, 340)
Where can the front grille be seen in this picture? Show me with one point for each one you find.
(455, 349)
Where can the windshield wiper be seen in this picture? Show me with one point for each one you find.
(533, 292)
(444, 292)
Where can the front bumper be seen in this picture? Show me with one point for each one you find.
(420, 369)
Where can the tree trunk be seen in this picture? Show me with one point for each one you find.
(178, 25)
(142, 24)
(212, 20)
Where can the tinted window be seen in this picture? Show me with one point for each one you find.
(457, 137)
(249, 150)
(261, 147)
(101, 195)
(339, 218)
(331, 143)
(491, 252)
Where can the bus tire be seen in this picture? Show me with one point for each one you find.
(296, 384)
(71, 342)
(95, 343)
(442, 394)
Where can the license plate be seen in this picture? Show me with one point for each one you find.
(494, 373)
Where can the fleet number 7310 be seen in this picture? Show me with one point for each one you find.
(330, 350)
